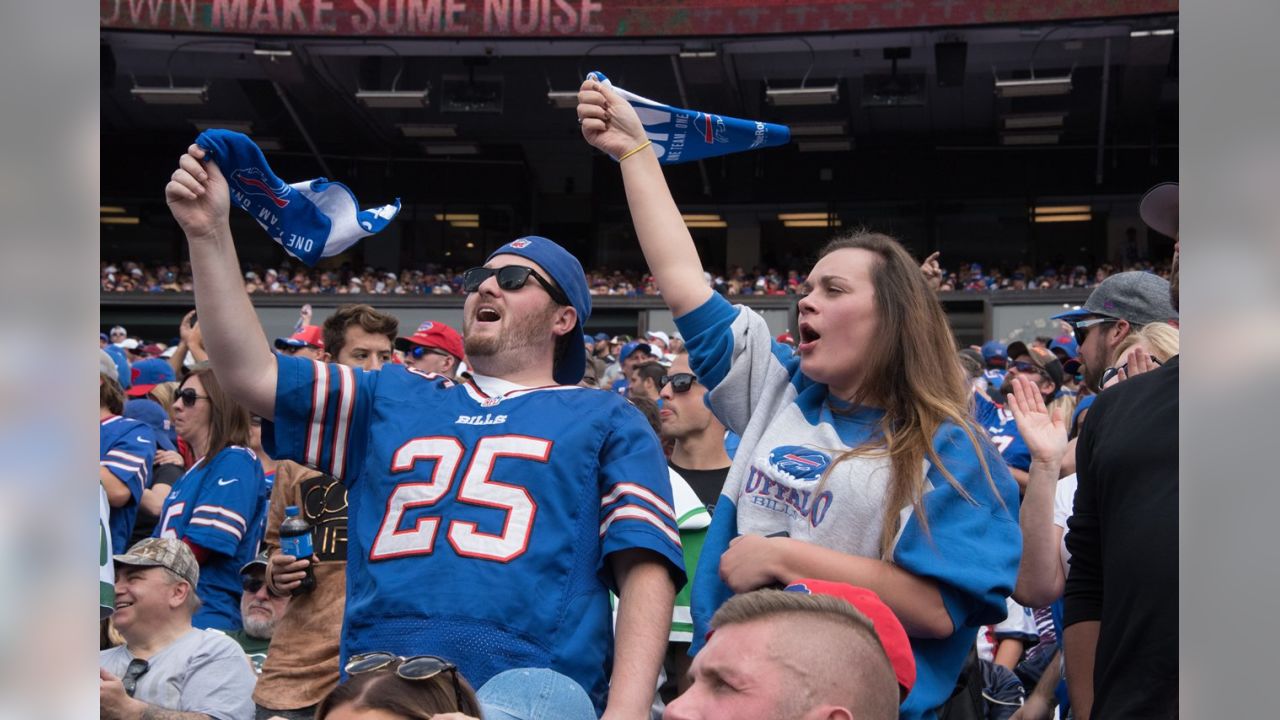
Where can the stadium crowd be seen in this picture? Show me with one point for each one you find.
(289, 278)
(855, 520)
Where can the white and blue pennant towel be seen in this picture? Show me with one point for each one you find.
(311, 219)
(681, 135)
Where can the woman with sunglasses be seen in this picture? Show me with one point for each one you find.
(859, 460)
(217, 507)
(382, 686)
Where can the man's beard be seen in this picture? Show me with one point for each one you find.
(520, 336)
(255, 626)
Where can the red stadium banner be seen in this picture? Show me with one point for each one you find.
(590, 18)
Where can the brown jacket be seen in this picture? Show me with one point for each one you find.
(302, 666)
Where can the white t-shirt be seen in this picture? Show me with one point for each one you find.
(1063, 501)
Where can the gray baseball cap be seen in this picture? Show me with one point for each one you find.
(166, 553)
(1137, 296)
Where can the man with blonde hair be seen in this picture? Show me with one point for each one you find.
(815, 651)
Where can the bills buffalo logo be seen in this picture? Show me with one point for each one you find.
(520, 244)
(799, 462)
(712, 128)
(425, 327)
(252, 181)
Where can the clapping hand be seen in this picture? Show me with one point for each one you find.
(1045, 434)
(932, 270)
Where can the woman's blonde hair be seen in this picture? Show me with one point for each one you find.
(1159, 338)
(914, 374)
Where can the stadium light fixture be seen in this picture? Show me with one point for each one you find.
(1034, 87)
(118, 220)
(1031, 121)
(811, 129)
(825, 145)
(833, 222)
(785, 217)
(1031, 138)
(189, 95)
(111, 209)
(697, 54)
(693, 217)
(240, 126)
(458, 217)
(1061, 209)
(1075, 217)
(451, 148)
(428, 130)
(816, 95)
(563, 99)
(706, 224)
(393, 99)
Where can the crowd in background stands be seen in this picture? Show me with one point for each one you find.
(130, 276)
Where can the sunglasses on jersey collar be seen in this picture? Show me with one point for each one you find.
(511, 277)
(680, 382)
(137, 668)
(416, 668)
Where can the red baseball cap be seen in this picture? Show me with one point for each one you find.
(312, 335)
(888, 628)
(434, 335)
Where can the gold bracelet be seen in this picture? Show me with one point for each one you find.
(646, 144)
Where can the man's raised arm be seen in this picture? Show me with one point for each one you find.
(199, 199)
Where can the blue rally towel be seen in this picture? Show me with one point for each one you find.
(681, 135)
(310, 219)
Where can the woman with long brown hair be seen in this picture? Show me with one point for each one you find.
(859, 461)
(218, 506)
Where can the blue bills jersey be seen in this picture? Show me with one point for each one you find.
(479, 527)
(219, 504)
(1003, 429)
(126, 448)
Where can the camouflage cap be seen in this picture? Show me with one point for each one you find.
(167, 553)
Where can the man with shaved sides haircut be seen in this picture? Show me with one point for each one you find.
(800, 654)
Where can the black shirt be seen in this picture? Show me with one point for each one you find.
(706, 484)
(1123, 538)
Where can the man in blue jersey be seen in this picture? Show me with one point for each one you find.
(487, 520)
(1045, 369)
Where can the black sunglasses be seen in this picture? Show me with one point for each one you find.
(680, 382)
(251, 584)
(137, 668)
(188, 397)
(418, 667)
(1080, 328)
(511, 277)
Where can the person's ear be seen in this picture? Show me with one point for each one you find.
(828, 712)
(179, 592)
(565, 319)
(325, 357)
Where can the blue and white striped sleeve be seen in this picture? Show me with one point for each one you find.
(129, 459)
(635, 496)
(321, 415)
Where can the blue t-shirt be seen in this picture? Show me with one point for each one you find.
(1003, 429)
(127, 449)
(480, 527)
(219, 504)
(785, 479)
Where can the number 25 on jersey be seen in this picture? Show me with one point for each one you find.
(477, 488)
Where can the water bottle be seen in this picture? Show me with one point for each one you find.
(295, 540)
